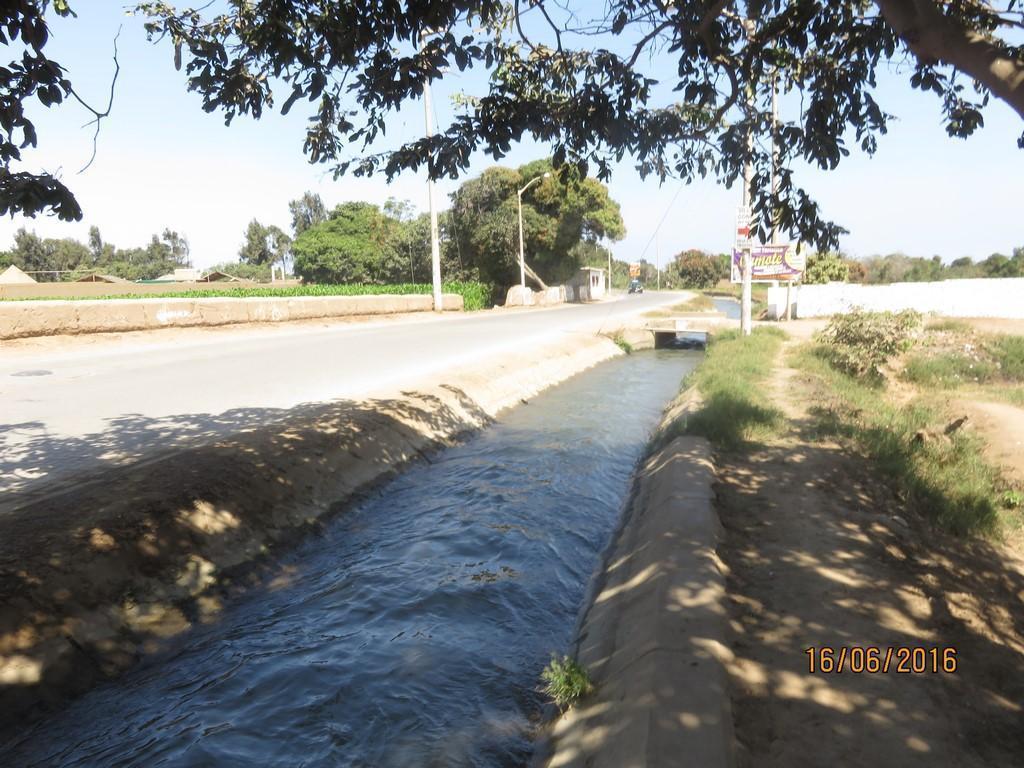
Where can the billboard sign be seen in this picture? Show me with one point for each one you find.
(770, 263)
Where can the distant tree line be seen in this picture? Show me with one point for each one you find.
(565, 218)
(53, 259)
(694, 268)
(900, 268)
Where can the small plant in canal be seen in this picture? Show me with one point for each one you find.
(624, 345)
(565, 681)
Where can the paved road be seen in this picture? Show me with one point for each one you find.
(65, 413)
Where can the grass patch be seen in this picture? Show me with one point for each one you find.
(1013, 396)
(968, 359)
(699, 303)
(949, 325)
(943, 478)
(475, 295)
(947, 370)
(735, 410)
(565, 681)
(1008, 352)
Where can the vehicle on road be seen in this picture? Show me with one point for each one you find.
(635, 286)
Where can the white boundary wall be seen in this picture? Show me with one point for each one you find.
(982, 297)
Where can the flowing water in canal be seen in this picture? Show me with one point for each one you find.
(412, 631)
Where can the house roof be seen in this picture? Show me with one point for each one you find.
(218, 276)
(14, 276)
(101, 279)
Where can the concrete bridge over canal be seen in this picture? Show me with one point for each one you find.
(664, 332)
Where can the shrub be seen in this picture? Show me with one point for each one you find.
(697, 270)
(566, 681)
(825, 268)
(860, 343)
(622, 344)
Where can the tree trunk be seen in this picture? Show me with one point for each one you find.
(534, 276)
(932, 36)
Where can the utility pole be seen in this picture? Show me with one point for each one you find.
(748, 178)
(775, 182)
(745, 301)
(657, 258)
(435, 245)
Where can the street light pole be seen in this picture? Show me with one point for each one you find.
(522, 258)
(435, 245)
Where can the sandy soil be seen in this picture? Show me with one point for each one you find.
(1002, 426)
(820, 553)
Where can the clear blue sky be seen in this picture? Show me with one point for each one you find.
(163, 162)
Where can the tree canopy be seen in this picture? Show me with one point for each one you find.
(695, 269)
(355, 245)
(677, 87)
(559, 213)
(564, 218)
(307, 211)
(263, 244)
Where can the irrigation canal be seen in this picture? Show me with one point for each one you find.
(412, 631)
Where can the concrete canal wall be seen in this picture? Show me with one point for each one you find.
(653, 637)
(19, 319)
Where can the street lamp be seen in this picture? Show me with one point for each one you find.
(522, 262)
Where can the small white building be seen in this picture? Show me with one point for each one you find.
(588, 284)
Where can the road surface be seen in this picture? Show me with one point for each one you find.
(66, 413)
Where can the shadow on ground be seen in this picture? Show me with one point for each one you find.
(820, 553)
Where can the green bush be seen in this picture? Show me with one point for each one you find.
(825, 268)
(565, 681)
(860, 343)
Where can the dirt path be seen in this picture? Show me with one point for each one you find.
(821, 554)
(1002, 426)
